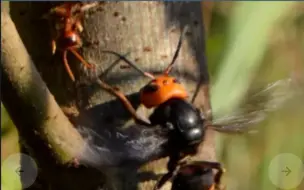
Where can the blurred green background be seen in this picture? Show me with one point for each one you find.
(250, 44)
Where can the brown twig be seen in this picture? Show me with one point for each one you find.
(27, 99)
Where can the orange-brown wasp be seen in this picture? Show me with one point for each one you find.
(66, 26)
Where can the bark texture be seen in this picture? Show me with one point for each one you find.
(150, 32)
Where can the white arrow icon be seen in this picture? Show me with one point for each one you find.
(28, 170)
(287, 171)
(19, 171)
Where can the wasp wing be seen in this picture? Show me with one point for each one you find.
(256, 108)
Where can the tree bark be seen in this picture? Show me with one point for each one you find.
(149, 31)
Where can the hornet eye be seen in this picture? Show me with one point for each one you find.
(150, 88)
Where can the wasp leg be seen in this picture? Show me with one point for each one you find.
(172, 164)
(66, 64)
(79, 26)
(79, 57)
(123, 99)
(163, 180)
(218, 175)
(54, 47)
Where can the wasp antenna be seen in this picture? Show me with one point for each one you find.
(105, 73)
(181, 38)
(130, 63)
(118, 94)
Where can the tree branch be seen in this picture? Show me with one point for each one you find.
(32, 107)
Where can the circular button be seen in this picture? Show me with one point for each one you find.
(286, 171)
(12, 171)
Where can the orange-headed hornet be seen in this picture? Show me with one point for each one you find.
(185, 124)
